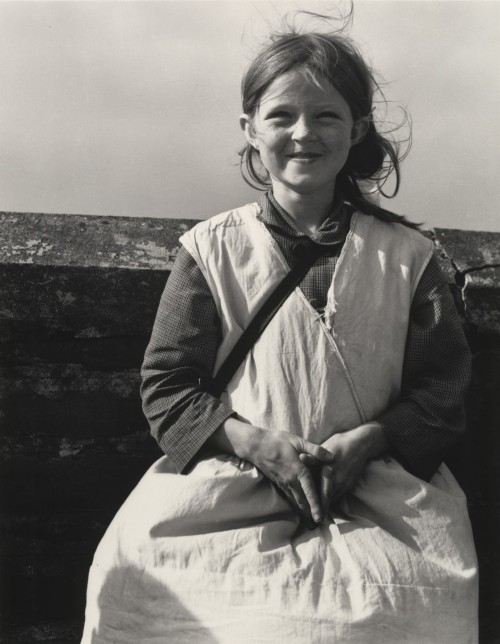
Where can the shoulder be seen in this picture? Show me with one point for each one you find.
(225, 220)
(394, 233)
(392, 244)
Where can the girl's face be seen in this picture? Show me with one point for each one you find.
(303, 132)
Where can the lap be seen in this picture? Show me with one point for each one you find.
(223, 543)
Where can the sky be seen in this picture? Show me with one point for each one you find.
(131, 108)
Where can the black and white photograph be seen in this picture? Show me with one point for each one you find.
(250, 321)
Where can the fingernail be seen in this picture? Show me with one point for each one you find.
(318, 518)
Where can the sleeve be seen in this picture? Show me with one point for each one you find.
(181, 351)
(430, 415)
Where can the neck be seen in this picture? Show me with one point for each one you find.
(308, 211)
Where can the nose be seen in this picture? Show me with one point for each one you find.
(303, 129)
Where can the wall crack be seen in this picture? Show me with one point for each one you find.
(461, 279)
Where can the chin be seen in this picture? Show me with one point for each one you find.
(306, 187)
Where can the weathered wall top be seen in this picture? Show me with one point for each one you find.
(470, 259)
(83, 240)
(148, 242)
(469, 250)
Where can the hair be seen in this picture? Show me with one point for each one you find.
(334, 57)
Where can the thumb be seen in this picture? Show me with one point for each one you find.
(307, 459)
(318, 452)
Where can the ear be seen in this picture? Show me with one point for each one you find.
(359, 130)
(247, 127)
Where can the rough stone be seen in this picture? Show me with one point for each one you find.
(83, 240)
(91, 482)
(471, 262)
(79, 404)
(481, 297)
(469, 249)
(54, 632)
(77, 302)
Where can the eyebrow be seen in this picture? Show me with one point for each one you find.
(288, 105)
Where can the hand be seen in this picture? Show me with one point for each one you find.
(351, 450)
(276, 455)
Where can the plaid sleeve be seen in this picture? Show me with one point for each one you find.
(430, 414)
(182, 349)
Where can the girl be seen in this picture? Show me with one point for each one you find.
(314, 505)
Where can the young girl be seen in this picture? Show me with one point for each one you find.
(313, 504)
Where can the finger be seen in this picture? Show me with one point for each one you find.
(318, 452)
(308, 460)
(322, 477)
(295, 502)
(326, 487)
(299, 502)
(308, 488)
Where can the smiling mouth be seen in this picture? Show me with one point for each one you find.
(304, 155)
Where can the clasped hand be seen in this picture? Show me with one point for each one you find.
(314, 477)
(278, 456)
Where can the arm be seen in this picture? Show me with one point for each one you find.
(186, 420)
(429, 416)
(182, 349)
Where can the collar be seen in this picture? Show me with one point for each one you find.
(332, 231)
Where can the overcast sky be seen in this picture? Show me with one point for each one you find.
(131, 108)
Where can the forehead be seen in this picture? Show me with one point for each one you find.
(299, 86)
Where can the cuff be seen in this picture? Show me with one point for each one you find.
(181, 444)
(415, 446)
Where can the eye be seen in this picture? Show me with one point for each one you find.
(328, 115)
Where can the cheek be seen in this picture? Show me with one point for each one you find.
(337, 135)
(271, 136)
(272, 141)
(271, 147)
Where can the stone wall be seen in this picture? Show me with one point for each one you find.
(78, 299)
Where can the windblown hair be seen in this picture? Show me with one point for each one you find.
(334, 57)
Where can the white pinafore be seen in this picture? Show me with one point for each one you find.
(217, 555)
